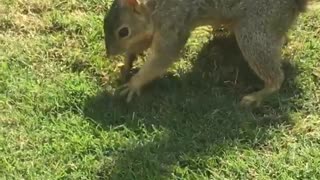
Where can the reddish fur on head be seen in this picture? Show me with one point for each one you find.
(132, 3)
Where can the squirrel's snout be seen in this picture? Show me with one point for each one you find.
(111, 52)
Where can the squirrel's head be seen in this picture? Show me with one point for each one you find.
(127, 27)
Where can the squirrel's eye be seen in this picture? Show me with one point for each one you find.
(123, 32)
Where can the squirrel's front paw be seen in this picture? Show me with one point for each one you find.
(131, 88)
(124, 74)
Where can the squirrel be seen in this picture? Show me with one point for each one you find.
(163, 27)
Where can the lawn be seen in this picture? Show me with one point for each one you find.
(60, 116)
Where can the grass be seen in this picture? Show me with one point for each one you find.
(60, 119)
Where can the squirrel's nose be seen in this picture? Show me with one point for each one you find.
(110, 52)
(107, 52)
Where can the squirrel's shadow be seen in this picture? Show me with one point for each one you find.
(199, 113)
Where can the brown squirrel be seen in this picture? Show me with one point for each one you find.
(164, 26)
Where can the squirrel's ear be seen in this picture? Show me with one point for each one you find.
(131, 3)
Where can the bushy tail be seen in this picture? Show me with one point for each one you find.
(302, 5)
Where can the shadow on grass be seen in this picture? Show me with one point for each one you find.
(199, 113)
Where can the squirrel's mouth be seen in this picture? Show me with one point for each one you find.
(110, 52)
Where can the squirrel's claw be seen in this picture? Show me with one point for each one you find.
(130, 89)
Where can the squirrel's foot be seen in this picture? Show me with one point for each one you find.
(133, 87)
(251, 101)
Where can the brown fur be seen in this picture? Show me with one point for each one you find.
(164, 26)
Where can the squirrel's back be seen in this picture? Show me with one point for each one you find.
(205, 11)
